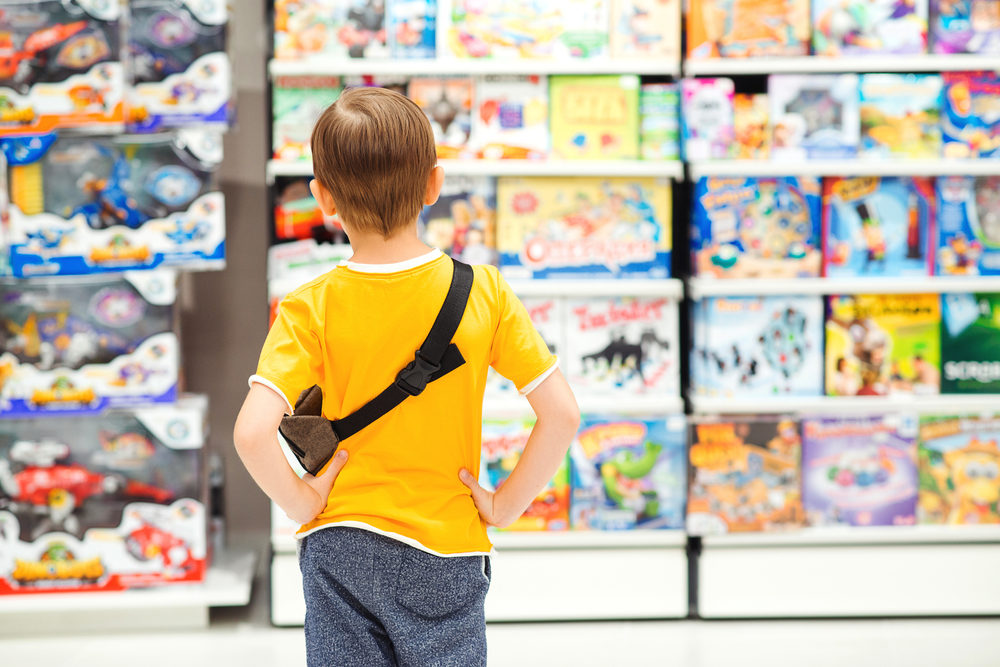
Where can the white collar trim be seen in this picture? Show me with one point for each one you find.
(405, 265)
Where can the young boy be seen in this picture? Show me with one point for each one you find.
(394, 550)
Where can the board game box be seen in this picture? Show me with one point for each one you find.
(968, 241)
(751, 127)
(413, 28)
(888, 344)
(594, 117)
(901, 115)
(659, 121)
(758, 346)
(965, 26)
(512, 117)
(628, 473)
(853, 27)
(462, 222)
(970, 115)
(814, 116)
(584, 227)
(646, 29)
(756, 227)
(959, 459)
(878, 226)
(707, 118)
(296, 105)
(447, 103)
(970, 356)
(320, 30)
(747, 28)
(548, 315)
(860, 471)
(744, 476)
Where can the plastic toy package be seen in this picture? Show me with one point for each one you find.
(503, 444)
(959, 459)
(878, 226)
(103, 503)
(968, 241)
(646, 29)
(756, 227)
(512, 117)
(297, 103)
(758, 346)
(970, 357)
(61, 65)
(594, 117)
(584, 227)
(628, 474)
(855, 27)
(463, 221)
(291, 265)
(297, 214)
(413, 28)
(860, 471)
(879, 345)
(659, 121)
(84, 345)
(317, 30)
(707, 118)
(965, 26)
(971, 115)
(751, 127)
(747, 28)
(744, 476)
(901, 115)
(84, 204)
(814, 116)
(447, 103)
(622, 346)
(548, 315)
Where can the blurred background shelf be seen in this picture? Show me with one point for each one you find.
(470, 67)
(850, 536)
(668, 287)
(842, 63)
(699, 288)
(855, 167)
(841, 405)
(517, 406)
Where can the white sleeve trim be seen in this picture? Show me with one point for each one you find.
(256, 379)
(531, 386)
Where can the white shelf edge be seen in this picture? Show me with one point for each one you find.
(588, 539)
(853, 167)
(843, 63)
(854, 536)
(471, 67)
(699, 288)
(516, 406)
(670, 288)
(822, 405)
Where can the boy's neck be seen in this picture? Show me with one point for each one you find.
(375, 249)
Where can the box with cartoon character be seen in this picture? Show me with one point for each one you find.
(447, 103)
(84, 345)
(814, 116)
(548, 315)
(855, 27)
(970, 115)
(628, 473)
(968, 217)
(512, 117)
(103, 503)
(901, 116)
(959, 464)
(85, 204)
(462, 222)
(318, 30)
(413, 28)
(970, 356)
(965, 26)
(860, 471)
(747, 28)
(744, 476)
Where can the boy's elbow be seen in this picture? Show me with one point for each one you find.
(243, 436)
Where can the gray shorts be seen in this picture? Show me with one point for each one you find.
(372, 600)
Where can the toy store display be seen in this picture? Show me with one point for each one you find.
(707, 118)
(512, 117)
(970, 114)
(296, 105)
(462, 222)
(628, 473)
(860, 471)
(313, 30)
(659, 121)
(747, 28)
(861, 27)
(901, 115)
(645, 29)
(814, 116)
(447, 104)
(103, 503)
(751, 127)
(594, 117)
(968, 218)
(965, 26)
(970, 355)
(412, 28)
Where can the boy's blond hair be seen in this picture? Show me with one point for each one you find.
(373, 149)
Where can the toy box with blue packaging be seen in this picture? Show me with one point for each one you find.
(628, 473)
(968, 218)
(317, 30)
(747, 28)
(103, 503)
(548, 315)
(512, 118)
(413, 28)
(503, 444)
(860, 471)
(878, 226)
(87, 344)
(584, 227)
(83, 204)
(61, 65)
(970, 357)
(463, 220)
(901, 115)
(970, 115)
(753, 346)
(814, 116)
(856, 27)
(646, 29)
(965, 26)
(296, 105)
(756, 227)
(706, 118)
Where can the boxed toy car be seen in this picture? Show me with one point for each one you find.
(968, 240)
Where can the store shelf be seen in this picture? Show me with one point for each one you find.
(517, 406)
(846, 63)
(470, 67)
(855, 167)
(836, 405)
(668, 287)
(852, 536)
(699, 288)
(589, 539)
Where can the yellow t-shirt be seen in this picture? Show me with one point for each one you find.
(350, 331)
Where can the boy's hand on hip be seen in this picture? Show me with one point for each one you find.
(323, 483)
(485, 500)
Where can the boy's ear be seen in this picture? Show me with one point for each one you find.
(434, 183)
(323, 198)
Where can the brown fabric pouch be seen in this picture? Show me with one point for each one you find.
(309, 435)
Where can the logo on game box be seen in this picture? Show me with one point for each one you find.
(612, 253)
(57, 564)
(600, 438)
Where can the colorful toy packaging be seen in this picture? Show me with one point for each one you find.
(624, 345)
(413, 28)
(876, 226)
(628, 473)
(901, 115)
(297, 214)
(970, 356)
(548, 314)
(751, 127)
(512, 119)
(971, 115)
(969, 222)
(594, 117)
(814, 116)
(707, 118)
(747, 28)
(845, 27)
(503, 444)
(756, 227)
(103, 503)
(324, 29)
(61, 65)
(959, 459)
(462, 222)
(85, 204)
(659, 121)
(860, 471)
(880, 345)
(744, 476)
(296, 105)
(758, 346)
(584, 227)
(87, 344)
(646, 29)
(447, 103)
(965, 26)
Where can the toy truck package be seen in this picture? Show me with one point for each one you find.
(860, 471)
(503, 444)
(901, 115)
(744, 476)
(965, 26)
(646, 29)
(296, 105)
(584, 227)
(103, 503)
(318, 30)
(968, 241)
(548, 315)
(959, 458)
(970, 115)
(751, 127)
(447, 103)
(888, 344)
(83, 204)
(878, 226)
(628, 473)
(970, 357)
(622, 346)
(512, 117)
(659, 121)
(179, 64)
(413, 28)
(594, 117)
(747, 28)
(814, 116)
(462, 222)
(856, 27)
(756, 227)
(707, 118)
(84, 345)
(61, 65)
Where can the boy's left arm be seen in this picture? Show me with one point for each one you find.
(256, 438)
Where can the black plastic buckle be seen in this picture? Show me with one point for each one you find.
(415, 375)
